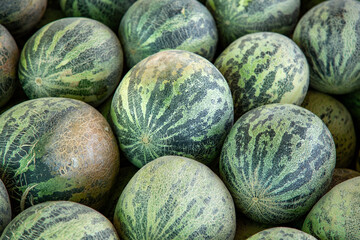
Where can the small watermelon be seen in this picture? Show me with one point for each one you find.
(281, 233)
(57, 149)
(5, 207)
(329, 36)
(277, 161)
(59, 220)
(337, 214)
(263, 68)
(151, 26)
(172, 103)
(174, 197)
(76, 58)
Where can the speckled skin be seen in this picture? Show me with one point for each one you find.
(174, 197)
(9, 57)
(281, 233)
(337, 214)
(5, 207)
(57, 149)
(338, 119)
(59, 220)
(277, 161)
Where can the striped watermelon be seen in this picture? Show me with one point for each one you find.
(21, 16)
(277, 161)
(263, 68)
(57, 149)
(337, 214)
(151, 26)
(338, 119)
(59, 220)
(108, 12)
(174, 197)
(9, 57)
(172, 103)
(5, 207)
(281, 233)
(236, 18)
(76, 58)
(329, 36)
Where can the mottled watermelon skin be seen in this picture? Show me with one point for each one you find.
(105, 11)
(277, 161)
(172, 103)
(5, 207)
(151, 26)
(21, 16)
(263, 68)
(235, 18)
(58, 220)
(337, 214)
(282, 233)
(191, 202)
(77, 58)
(329, 36)
(57, 149)
(9, 57)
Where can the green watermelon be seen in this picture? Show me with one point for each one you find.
(172, 103)
(341, 175)
(329, 36)
(21, 16)
(338, 119)
(235, 18)
(277, 161)
(175, 197)
(76, 58)
(151, 26)
(281, 233)
(108, 12)
(9, 57)
(57, 149)
(263, 68)
(5, 207)
(59, 220)
(337, 214)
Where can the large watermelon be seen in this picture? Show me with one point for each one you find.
(172, 103)
(9, 57)
(281, 233)
(329, 36)
(277, 161)
(57, 149)
(76, 58)
(263, 68)
(151, 26)
(5, 207)
(59, 220)
(174, 197)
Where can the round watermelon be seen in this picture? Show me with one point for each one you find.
(57, 149)
(5, 207)
(175, 197)
(59, 220)
(263, 68)
(281, 233)
(277, 161)
(151, 26)
(172, 103)
(76, 58)
(329, 36)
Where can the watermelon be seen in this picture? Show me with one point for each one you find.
(175, 197)
(58, 220)
(337, 214)
(329, 36)
(277, 161)
(5, 207)
(21, 16)
(108, 12)
(341, 175)
(76, 58)
(151, 26)
(172, 103)
(338, 119)
(57, 149)
(263, 68)
(235, 18)
(281, 233)
(9, 57)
